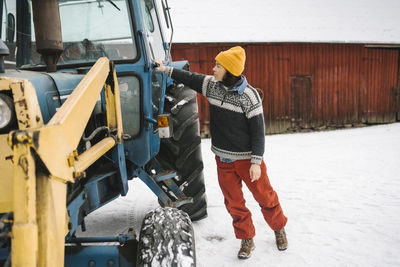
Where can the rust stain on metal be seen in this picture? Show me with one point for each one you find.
(10, 157)
(22, 104)
(168, 182)
(22, 88)
(23, 163)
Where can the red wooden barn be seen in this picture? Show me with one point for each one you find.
(316, 68)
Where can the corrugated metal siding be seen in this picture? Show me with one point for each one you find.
(309, 85)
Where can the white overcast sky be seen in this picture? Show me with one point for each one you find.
(337, 21)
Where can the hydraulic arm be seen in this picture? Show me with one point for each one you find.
(45, 158)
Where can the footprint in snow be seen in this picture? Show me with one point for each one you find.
(213, 238)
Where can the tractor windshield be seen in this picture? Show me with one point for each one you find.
(92, 29)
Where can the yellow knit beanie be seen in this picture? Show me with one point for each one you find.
(232, 60)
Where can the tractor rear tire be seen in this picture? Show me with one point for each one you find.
(182, 152)
(166, 239)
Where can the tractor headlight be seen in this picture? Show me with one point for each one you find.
(6, 111)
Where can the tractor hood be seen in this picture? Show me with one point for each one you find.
(52, 89)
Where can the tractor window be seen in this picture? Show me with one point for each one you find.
(7, 26)
(129, 88)
(148, 20)
(165, 19)
(8, 30)
(93, 29)
(152, 29)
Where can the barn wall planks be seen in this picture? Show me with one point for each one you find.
(310, 85)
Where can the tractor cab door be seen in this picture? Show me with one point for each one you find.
(152, 43)
(156, 48)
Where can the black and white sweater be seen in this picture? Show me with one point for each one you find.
(236, 115)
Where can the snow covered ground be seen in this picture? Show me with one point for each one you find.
(339, 189)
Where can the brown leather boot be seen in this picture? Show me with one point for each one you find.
(246, 248)
(281, 240)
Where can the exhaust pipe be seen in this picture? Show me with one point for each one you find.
(46, 19)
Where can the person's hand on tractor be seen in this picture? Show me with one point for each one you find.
(159, 65)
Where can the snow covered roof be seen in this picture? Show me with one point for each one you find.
(337, 21)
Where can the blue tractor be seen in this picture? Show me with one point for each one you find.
(82, 111)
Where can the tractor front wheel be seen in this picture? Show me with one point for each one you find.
(166, 239)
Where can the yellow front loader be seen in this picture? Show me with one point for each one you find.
(44, 158)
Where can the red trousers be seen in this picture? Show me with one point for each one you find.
(230, 177)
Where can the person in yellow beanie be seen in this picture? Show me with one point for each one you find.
(237, 136)
(232, 60)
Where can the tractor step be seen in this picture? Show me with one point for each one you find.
(164, 176)
(164, 186)
(180, 202)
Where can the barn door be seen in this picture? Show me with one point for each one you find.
(301, 101)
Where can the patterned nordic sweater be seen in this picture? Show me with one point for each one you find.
(236, 115)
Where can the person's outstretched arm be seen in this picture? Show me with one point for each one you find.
(198, 82)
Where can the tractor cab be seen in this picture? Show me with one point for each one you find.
(132, 34)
